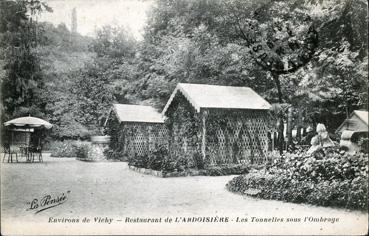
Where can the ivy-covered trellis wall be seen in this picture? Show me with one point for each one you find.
(216, 136)
(113, 128)
(130, 139)
(204, 125)
(184, 127)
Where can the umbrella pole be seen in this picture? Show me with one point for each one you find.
(11, 143)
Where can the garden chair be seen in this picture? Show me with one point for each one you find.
(35, 151)
(9, 151)
(24, 151)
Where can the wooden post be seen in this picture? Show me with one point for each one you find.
(150, 141)
(203, 141)
(299, 125)
(273, 138)
(289, 127)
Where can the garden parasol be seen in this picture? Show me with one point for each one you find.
(32, 146)
(29, 122)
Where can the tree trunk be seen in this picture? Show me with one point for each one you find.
(299, 125)
(289, 126)
(280, 140)
(203, 140)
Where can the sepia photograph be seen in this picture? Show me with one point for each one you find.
(184, 117)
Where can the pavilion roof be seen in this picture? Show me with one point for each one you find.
(137, 113)
(215, 96)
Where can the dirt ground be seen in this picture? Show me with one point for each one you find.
(112, 190)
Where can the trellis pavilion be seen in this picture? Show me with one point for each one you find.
(217, 125)
(135, 130)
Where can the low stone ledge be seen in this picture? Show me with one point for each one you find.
(158, 173)
(188, 172)
(96, 160)
(146, 171)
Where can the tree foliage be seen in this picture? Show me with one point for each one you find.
(21, 76)
(310, 55)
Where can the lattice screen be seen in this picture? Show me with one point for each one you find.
(243, 138)
(141, 138)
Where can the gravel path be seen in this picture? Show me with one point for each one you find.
(111, 190)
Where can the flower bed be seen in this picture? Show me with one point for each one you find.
(329, 177)
(159, 160)
(157, 173)
(211, 171)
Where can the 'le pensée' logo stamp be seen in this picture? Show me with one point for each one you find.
(47, 201)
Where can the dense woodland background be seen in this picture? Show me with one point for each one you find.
(307, 57)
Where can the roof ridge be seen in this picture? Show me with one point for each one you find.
(217, 85)
(219, 97)
(133, 105)
(356, 112)
(132, 113)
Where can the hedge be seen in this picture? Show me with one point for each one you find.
(329, 177)
(160, 160)
(66, 148)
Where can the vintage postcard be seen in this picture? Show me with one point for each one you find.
(184, 117)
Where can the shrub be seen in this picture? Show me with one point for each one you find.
(236, 169)
(169, 165)
(200, 163)
(327, 178)
(155, 160)
(159, 159)
(82, 150)
(139, 161)
(89, 151)
(64, 148)
(364, 144)
(115, 154)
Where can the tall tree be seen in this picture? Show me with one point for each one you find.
(21, 78)
(61, 62)
(281, 38)
(95, 85)
(238, 42)
(181, 45)
(335, 82)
